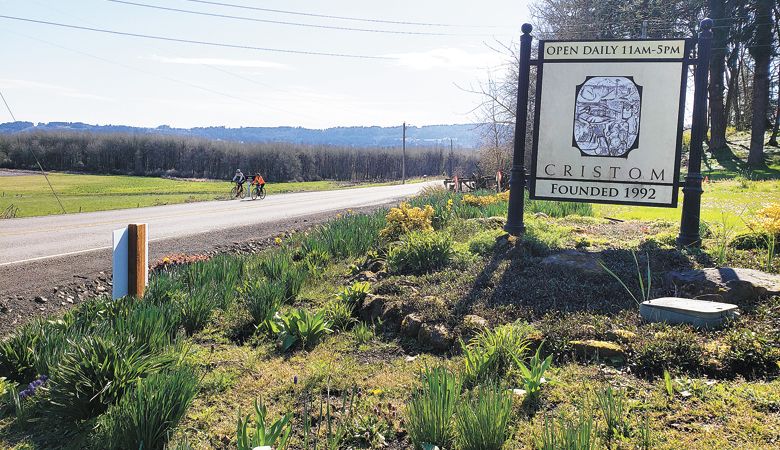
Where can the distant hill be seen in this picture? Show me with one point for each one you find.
(465, 136)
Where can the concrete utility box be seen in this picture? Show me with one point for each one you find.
(699, 313)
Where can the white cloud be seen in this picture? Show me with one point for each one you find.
(447, 58)
(224, 62)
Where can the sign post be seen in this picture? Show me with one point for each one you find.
(689, 223)
(608, 124)
(130, 271)
(514, 221)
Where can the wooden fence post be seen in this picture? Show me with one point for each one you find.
(136, 259)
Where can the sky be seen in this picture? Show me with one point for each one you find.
(51, 73)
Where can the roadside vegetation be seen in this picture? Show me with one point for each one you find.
(420, 326)
(29, 195)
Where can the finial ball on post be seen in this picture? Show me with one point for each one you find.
(527, 28)
(706, 24)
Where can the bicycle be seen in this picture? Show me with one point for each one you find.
(238, 191)
(257, 191)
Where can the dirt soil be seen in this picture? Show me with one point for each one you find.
(51, 286)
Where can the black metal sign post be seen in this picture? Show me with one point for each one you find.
(691, 210)
(514, 222)
(667, 51)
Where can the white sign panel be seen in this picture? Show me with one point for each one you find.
(608, 125)
(119, 263)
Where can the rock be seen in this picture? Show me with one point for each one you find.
(732, 285)
(519, 394)
(410, 358)
(436, 337)
(40, 299)
(410, 325)
(600, 349)
(366, 275)
(391, 317)
(574, 260)
(473, 324)
(100, 289)
(489, 222)
(373, 308)
(621, 335)
(3, 307)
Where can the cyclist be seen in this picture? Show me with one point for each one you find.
(239, 179)
(258, 180)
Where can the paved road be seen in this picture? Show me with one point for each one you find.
(38, 238)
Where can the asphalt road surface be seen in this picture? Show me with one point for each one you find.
(40, 238)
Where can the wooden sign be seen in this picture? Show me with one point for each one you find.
(609, 121)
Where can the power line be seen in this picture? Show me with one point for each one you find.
(329, 16)
(282, 22)
(35, 157)
(191, 41)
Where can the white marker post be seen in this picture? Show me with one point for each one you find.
(130, 268)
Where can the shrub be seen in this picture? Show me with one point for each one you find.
(482, 421)
(494, 352)
(195, 308)
(430, 412)
(149, 326)
(673, 348)
(349, 236)
(615, 414)
(162, 288)
(420, 252)
(302, 326)
(484, 242)
(567, 434)
(273, 435)
(280, 268)
(363, 333)
(752, 353)
(533, 374)
(339, 313)
(95, 372)
(355, 294)
(17, 353)
(263, 299)
(145, 415)
(405, 218)
(484, 200)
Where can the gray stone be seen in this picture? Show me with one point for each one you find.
(436, 337)
(733, 285)
(410, 326)
(574, 260)
(372, 309)
(591, 348)
(473, 324)
(699, 313)
(40, 299)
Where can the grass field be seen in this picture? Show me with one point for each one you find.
(344, 361)
(733, 202)
(30, 196)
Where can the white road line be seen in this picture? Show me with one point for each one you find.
(53, 256)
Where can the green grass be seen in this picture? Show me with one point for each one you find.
(722, 380)
(86, 193)
(732, 200)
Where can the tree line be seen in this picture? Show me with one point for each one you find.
(154, 155)
(744, 88)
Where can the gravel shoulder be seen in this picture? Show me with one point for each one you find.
(49, 287)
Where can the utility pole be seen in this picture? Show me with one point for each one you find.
(644, 29)
(403, 158)
(451, 155)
